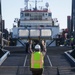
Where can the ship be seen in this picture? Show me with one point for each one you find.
(33, 23)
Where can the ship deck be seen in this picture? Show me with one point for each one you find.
(55, 62)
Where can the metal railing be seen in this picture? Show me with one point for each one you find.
(5, 42)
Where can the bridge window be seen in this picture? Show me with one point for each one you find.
(49, 14)
(26, 14)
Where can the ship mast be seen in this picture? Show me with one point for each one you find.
(35, 4)
(26, 4)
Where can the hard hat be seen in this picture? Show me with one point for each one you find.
(37, 47)
(71, 36)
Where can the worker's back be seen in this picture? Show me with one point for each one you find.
(37, 61)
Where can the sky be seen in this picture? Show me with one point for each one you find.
(60, 9)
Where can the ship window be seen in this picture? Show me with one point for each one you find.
(49, 14)
(46, 14)
(21, 14)
(26, 14)
(43, 14)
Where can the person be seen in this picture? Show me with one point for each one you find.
(1, 52)
(27, 46)
(37, 61)
(35, 42)
(31, 48)
(72, 42)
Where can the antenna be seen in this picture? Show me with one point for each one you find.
(30, 6)
(47, 5)
(26, 3)
(36, 4)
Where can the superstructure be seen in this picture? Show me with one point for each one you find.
(34, 23)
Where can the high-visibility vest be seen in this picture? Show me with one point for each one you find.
(72, 39)
(37, 60)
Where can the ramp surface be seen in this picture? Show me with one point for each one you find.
(55, 63)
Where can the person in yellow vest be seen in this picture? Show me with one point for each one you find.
(37, 61)
(42, 44)
(72, 42)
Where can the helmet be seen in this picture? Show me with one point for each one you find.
(37, 47)
(71, 36)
